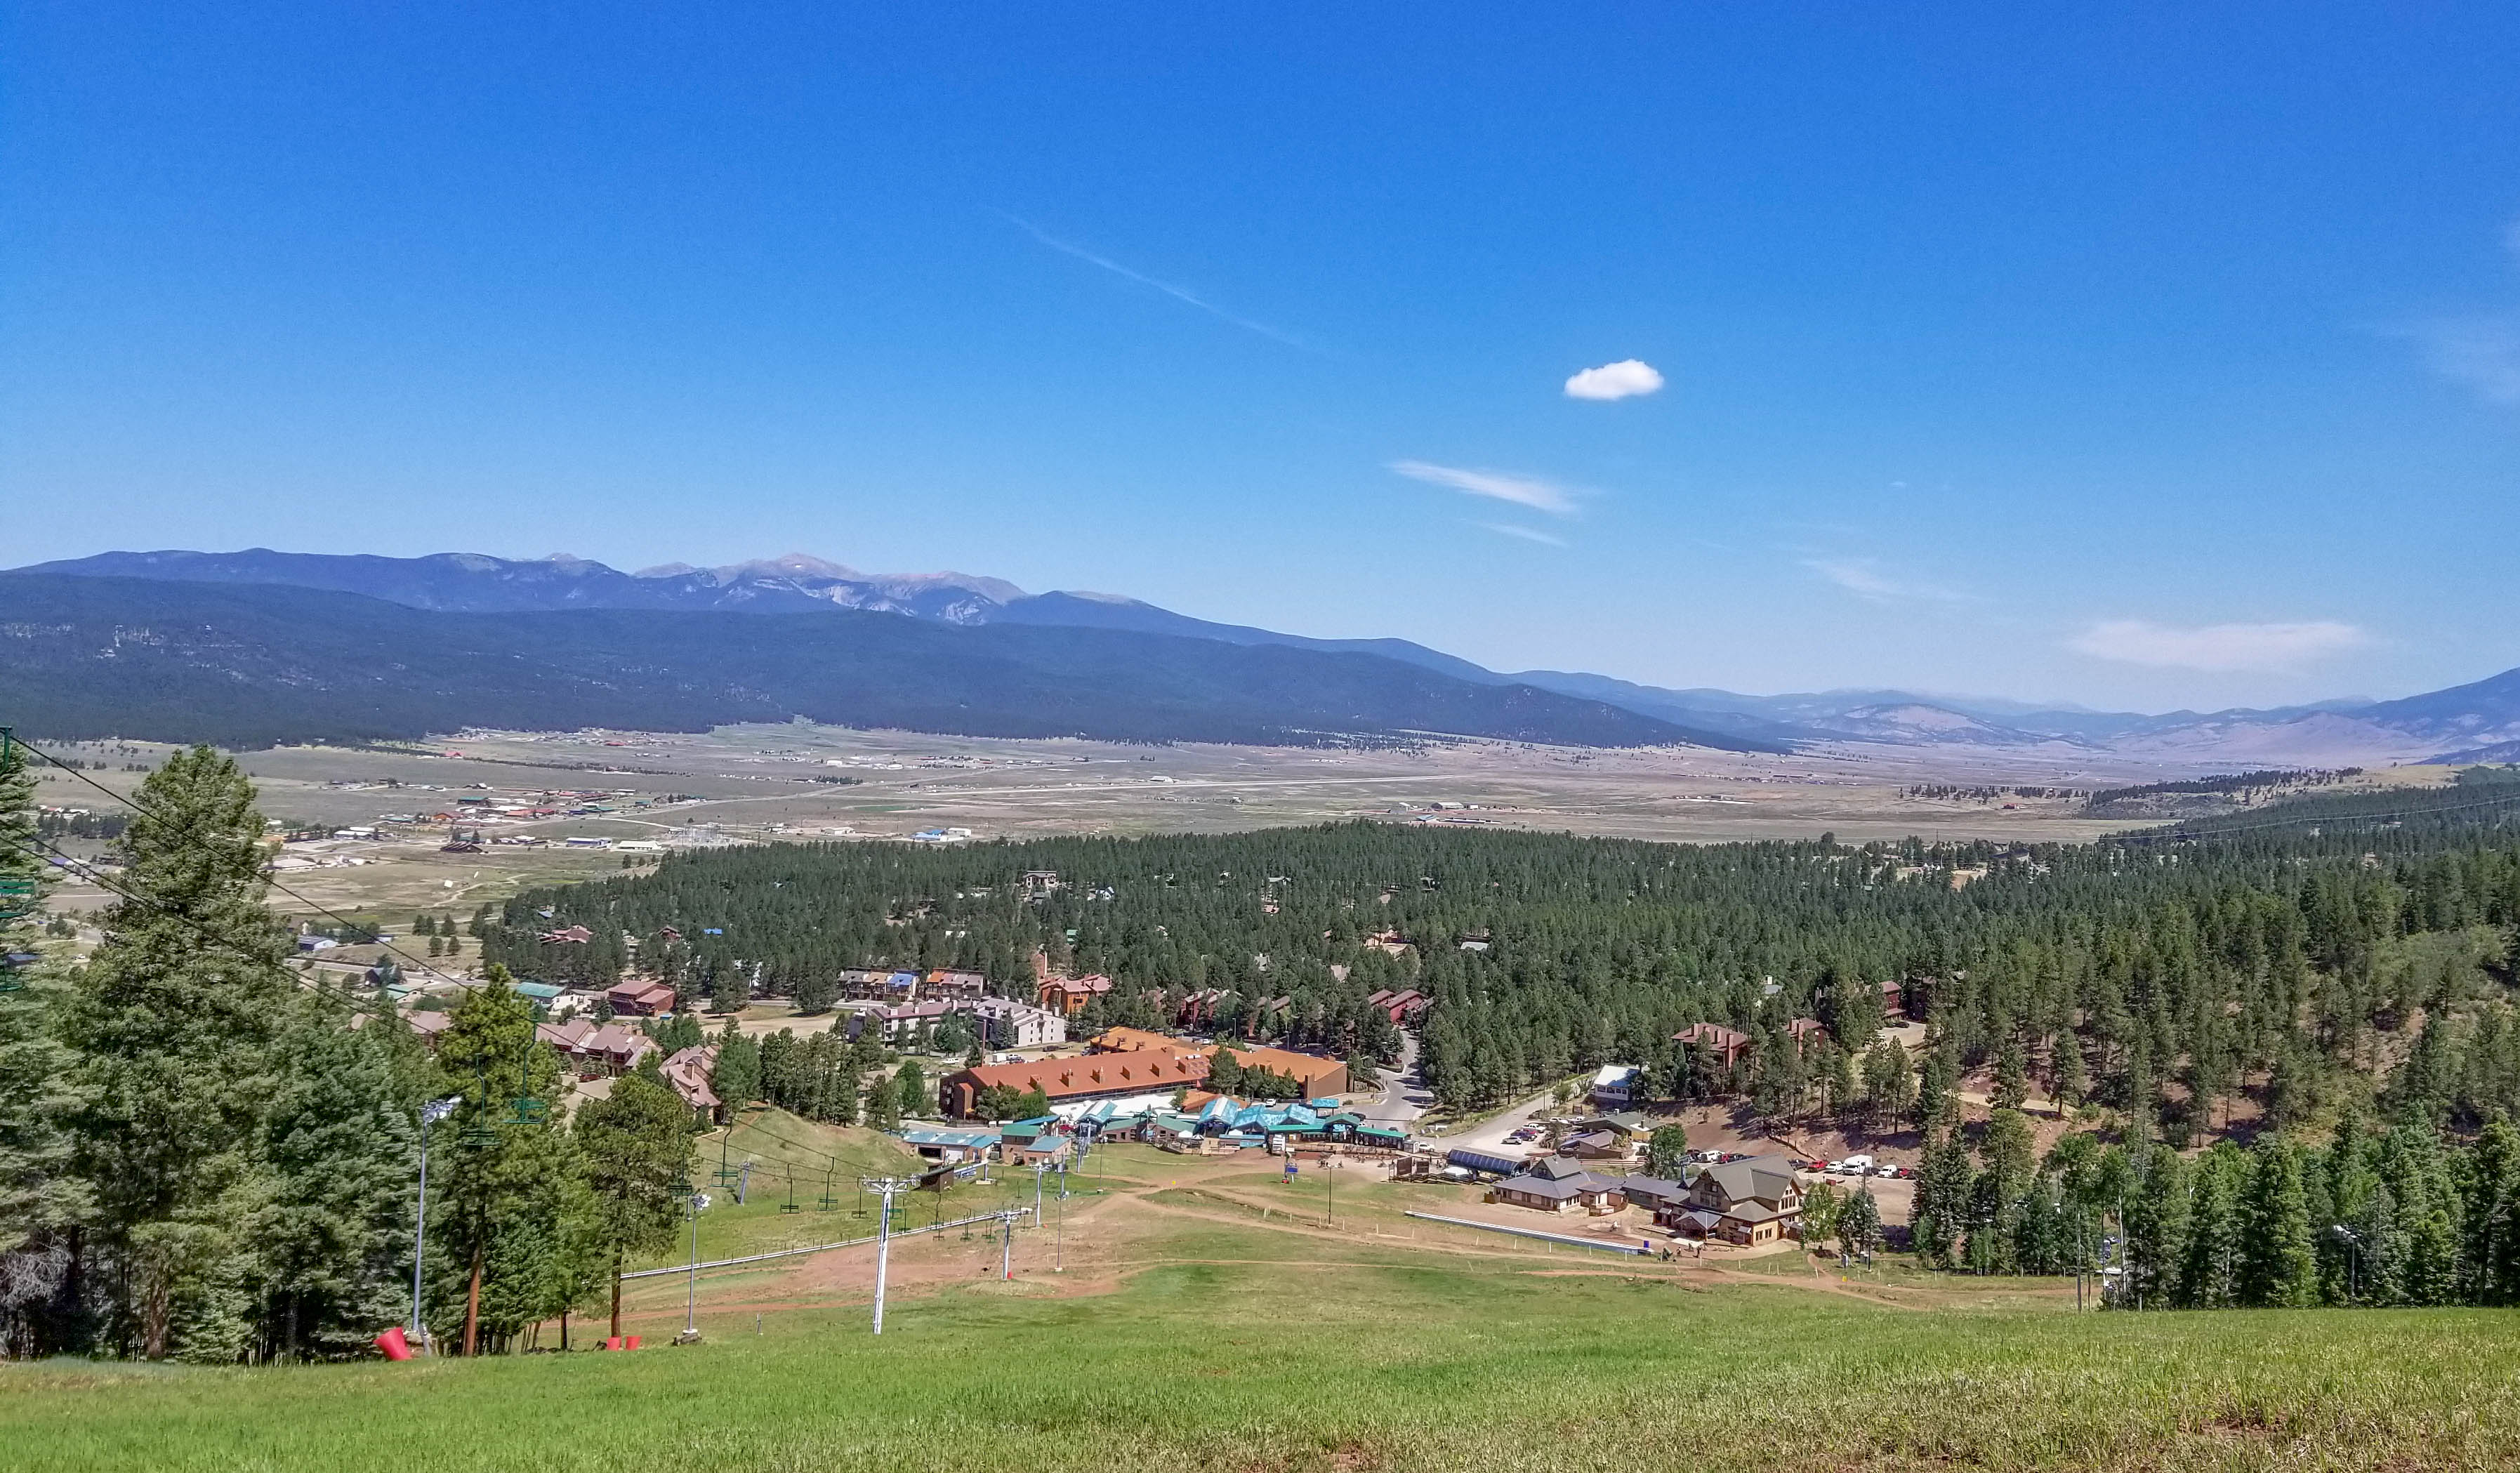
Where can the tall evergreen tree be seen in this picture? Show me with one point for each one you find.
(175, 1019)
(736, 1077)
(2156, 1230)
(331, 1240)
(1941, 1214)
(41, 1198)
(2492, 1218)
(2279, 1261)
(637, 1146)
(504, 1174)
(2217, 1230)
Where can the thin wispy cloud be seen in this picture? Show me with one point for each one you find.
(1527, 534)
(1864, 577)
(1180, 294)
(1624, 379)
(2481, 350)
(2222, 647)
(1497, 485)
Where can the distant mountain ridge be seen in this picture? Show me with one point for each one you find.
(2465, 721)
(256, 664)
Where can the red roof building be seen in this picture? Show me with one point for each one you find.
(1067, 996)
(687, 1073)
(1726, 1044)
(1097, 1076)
(641, 999)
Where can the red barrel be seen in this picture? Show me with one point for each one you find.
(392, 1343)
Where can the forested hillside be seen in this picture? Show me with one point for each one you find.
(250, 665)
(2170, 977)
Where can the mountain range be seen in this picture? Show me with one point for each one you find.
(1097, 635)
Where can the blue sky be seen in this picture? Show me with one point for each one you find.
(2143, 356)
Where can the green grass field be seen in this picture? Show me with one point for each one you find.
(1220, 1346)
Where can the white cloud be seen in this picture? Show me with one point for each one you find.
(1862, 577)
(2218, 646)
(1498, 485)
(1623, 380)
(1527, 534)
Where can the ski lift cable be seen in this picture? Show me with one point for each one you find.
(92, 875)
(136, 806)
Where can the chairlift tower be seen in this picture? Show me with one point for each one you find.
(886, 1186)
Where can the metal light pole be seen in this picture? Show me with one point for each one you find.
(1006, 1245)
(430, 1114)
(1058, 1226)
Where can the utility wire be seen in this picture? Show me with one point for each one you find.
(320, 909)
(92, 876)
(137, 806)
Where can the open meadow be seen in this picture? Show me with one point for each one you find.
(801, 781)
(1207, 1319)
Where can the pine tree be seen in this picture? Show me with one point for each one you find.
(1942, 1203)
(910, 1094)
(729, 989)
(2156, 1230)
(505, 1174)
(174, 1019)
(883, 1105)
(41, 1197)
(2493, 1249)
(2217, 1230)
(333, 1238)
(1858, 1222)
(2011, 1076)
(736, 1077)
(2278, 1263)
(1889, 1082)
(637, 1147)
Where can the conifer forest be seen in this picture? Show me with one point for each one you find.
(2282, 1045)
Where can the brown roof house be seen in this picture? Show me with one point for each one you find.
(1751, 1201)
(643, 1000)
(687, 1073)
(1728, 1045)
(1067, 996)
(596, 1048)
(1558, 1185)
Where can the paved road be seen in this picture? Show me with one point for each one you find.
(1489, 1135)
(1404, 1095)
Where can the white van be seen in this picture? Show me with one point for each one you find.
(1854, 1166)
